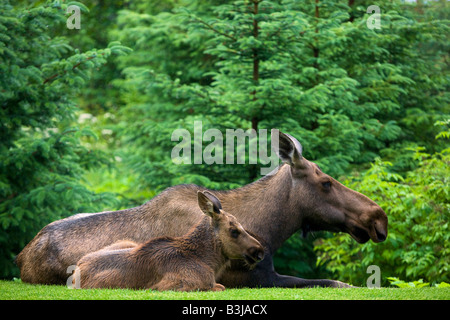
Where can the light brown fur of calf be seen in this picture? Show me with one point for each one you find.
(190, 262)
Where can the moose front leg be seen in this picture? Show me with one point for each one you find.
(294, 282)
(273, 279)
(265, 276)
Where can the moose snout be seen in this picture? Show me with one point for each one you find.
(379, 229)
(372, 224)
(255, 254)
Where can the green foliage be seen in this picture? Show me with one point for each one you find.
(414, 284)
(364, 104)
(42, 161)
(311, 68)
(277, 64)
(402, 284)
(418, 208)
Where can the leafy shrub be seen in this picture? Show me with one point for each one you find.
(417, 206)
(418, 210)
(414, 284)
(42, 160)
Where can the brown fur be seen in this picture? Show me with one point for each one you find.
(190, 262)
(271, 209)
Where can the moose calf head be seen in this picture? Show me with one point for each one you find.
(236, 242)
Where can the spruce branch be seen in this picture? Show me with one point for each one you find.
(209, 26)
(73, 68)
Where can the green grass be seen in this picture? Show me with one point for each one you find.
(11, 290)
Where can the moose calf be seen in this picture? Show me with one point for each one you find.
(190, 262)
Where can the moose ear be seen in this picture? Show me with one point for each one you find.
(289, 149)
(209, 203)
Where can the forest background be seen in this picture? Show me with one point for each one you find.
(87, 115)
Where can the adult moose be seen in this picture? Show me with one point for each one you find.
(299, 196)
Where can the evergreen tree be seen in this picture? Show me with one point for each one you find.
(42, 161)
(312, 69)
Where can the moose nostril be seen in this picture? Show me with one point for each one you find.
(380, 236)
(257, 254)
(260, 255)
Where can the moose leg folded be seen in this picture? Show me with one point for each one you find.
(264, 275)
(168, 282)
(218, 287)
(192, 281)
(294, 282)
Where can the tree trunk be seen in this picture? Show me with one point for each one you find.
(255, 118)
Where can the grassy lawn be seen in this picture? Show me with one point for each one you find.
(10, 290)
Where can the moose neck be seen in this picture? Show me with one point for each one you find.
(264, 207)
(202, 240)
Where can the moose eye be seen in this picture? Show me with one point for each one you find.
(234, 233)
(326, 185)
